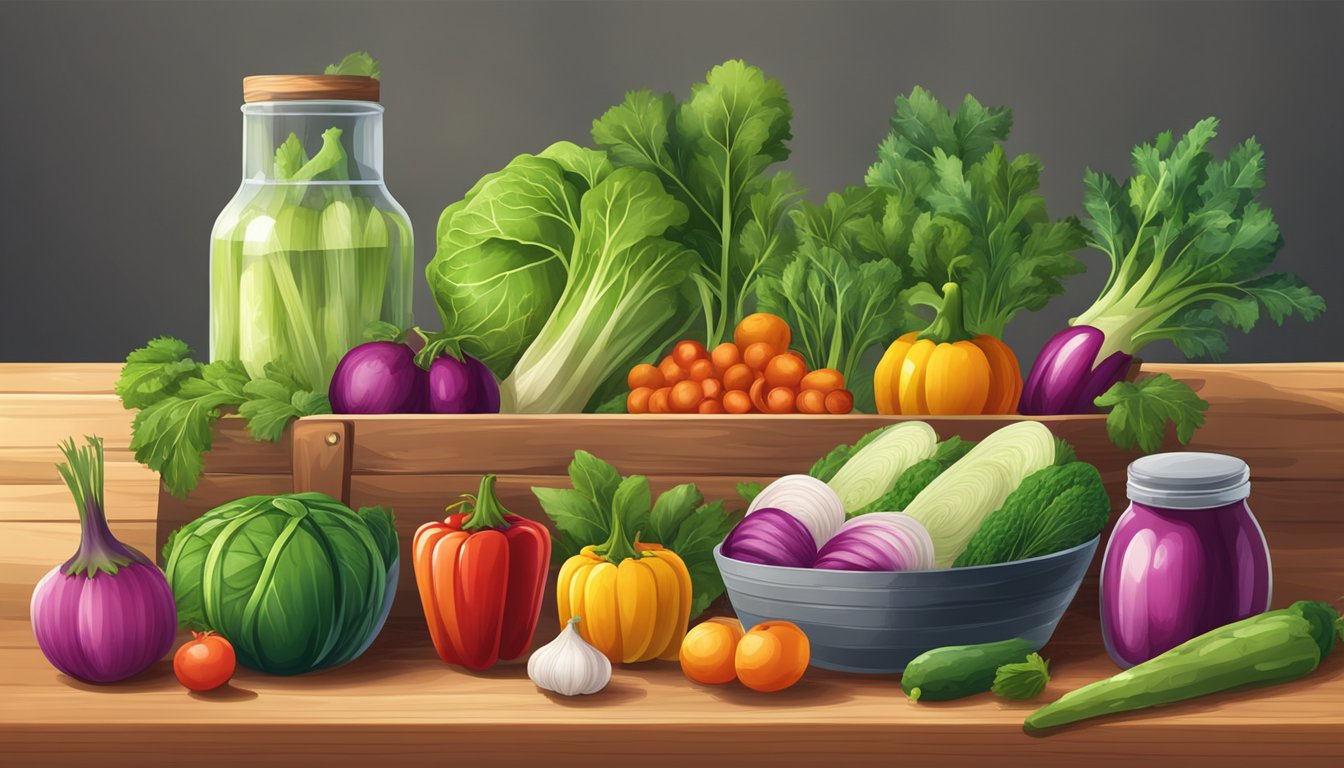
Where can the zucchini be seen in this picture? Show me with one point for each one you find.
(956, 671)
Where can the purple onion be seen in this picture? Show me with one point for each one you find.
(462, 386)
(771, 536)
(378, 377)
(107, 613)
(879, 541)
(1066, 377)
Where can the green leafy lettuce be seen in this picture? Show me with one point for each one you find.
(712, 153)
(179, 401)
(972, 215)
(1053, 509)
(679, 519)
(358, 63)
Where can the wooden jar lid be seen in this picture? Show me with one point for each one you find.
(309, 87)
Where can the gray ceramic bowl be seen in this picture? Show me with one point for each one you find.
(876, 622)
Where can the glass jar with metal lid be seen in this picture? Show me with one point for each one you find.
(1187, 556)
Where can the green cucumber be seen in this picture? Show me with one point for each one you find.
(956, 671)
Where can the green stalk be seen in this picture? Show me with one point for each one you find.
(487, 512)
(949, 324)
(618, 547)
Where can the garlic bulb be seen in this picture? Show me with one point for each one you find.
(568, 665)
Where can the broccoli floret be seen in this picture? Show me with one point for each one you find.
(1053, 509)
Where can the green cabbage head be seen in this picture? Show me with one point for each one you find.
(296, 582)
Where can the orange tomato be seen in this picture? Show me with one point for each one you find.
(645, 375)
(701, 370)
(713, 388)
(672, 373)
(839, 401)
(758, 355)
(823, 380)
(757, 393)
(739, 377)
(685, 396)
(708, 652)
(638, 399)
(687, 352)
(763, 327)
(204, 662)
(725, 356)
(772, 656)
(736, 401)
(710, 406)
(780, 399)
(659, 401)
(785, 371)
(810, 401)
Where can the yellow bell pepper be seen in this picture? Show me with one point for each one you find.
(635, 599)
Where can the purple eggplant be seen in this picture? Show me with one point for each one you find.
(463, 385)
(1067, 377)
(771, 536)
(378, 377)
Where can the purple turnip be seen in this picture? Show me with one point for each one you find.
(378, 377)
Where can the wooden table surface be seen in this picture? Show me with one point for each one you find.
(399, 703)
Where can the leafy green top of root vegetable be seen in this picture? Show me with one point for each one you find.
(179, 401)
(1140, 410)
(973, 215)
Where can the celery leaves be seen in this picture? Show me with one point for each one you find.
(358, 63)
(1140, 411)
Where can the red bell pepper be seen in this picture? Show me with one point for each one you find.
(481, 575)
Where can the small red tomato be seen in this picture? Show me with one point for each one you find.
(205, 662)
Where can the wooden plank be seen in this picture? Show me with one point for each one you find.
(58, 378)
(651, 444)
(421, 705)
(51, 502)
(322, 458)
(32, 549)
(45, 420)
(36, 465)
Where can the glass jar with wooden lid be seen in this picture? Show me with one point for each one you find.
(312, 249)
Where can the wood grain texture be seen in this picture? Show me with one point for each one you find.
(398, 704)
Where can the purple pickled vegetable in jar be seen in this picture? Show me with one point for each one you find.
(1186, 557)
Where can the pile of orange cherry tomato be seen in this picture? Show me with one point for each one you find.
(756, 372)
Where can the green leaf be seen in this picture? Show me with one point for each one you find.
(576, 517)
(1140, 411)
(380, 330)
(358, 63)
(694, 544)
(671, 510)
(594, 478)
(1022, 680)
(749, 491)
(711, 152)
(155, 371)
(171, 436)
(631, 504)
(289, 157)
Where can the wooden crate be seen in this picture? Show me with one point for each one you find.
(416, 465)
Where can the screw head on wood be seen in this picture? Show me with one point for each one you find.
(333, 438)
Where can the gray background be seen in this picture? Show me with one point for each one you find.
(120, 134)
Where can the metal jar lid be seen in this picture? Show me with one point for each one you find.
(1190, 480)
